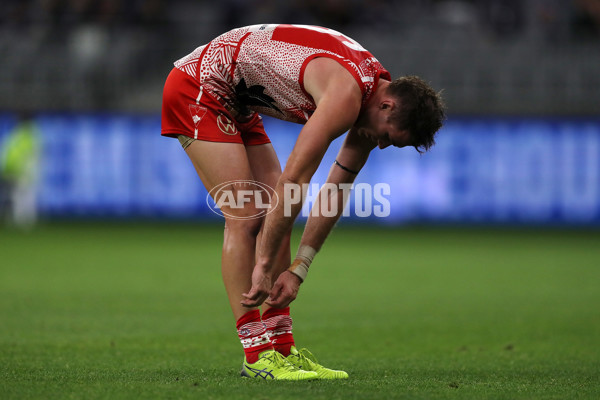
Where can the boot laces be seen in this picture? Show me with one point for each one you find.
(279, 360)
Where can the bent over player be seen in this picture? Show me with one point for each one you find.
(306, 74)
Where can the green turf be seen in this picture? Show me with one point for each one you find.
(122, 311)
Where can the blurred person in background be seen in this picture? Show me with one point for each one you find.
(310, 75)
(19, 159)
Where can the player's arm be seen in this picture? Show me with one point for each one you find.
(350, 160)
(329, 121)
(338, 104)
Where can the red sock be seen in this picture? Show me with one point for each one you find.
(253, 335)
(279, 328)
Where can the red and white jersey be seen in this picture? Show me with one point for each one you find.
(260, 68)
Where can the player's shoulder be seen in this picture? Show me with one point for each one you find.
(323, 67)
(324, 74)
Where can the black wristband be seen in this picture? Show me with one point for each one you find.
(344, 168)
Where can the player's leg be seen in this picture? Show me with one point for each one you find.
(217, 164)
(266, 169)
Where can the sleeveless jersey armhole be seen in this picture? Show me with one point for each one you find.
(347, 66)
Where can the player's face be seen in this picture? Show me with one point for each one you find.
(382, 132)
(389, 135)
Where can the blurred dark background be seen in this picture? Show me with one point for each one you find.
(531, 57)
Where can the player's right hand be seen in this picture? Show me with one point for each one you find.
(261, 286)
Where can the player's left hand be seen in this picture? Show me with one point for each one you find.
(285, 290)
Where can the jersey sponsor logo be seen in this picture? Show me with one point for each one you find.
(197, 112)
(226, 125)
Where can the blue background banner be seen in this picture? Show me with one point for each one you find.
(483, 170)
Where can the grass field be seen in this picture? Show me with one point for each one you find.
(123, 311)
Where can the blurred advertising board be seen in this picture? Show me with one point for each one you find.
(482, 170)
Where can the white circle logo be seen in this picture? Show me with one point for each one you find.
(255, 196)
(226, 125)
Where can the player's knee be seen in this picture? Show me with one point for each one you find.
(247, 227)
(242, 200)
